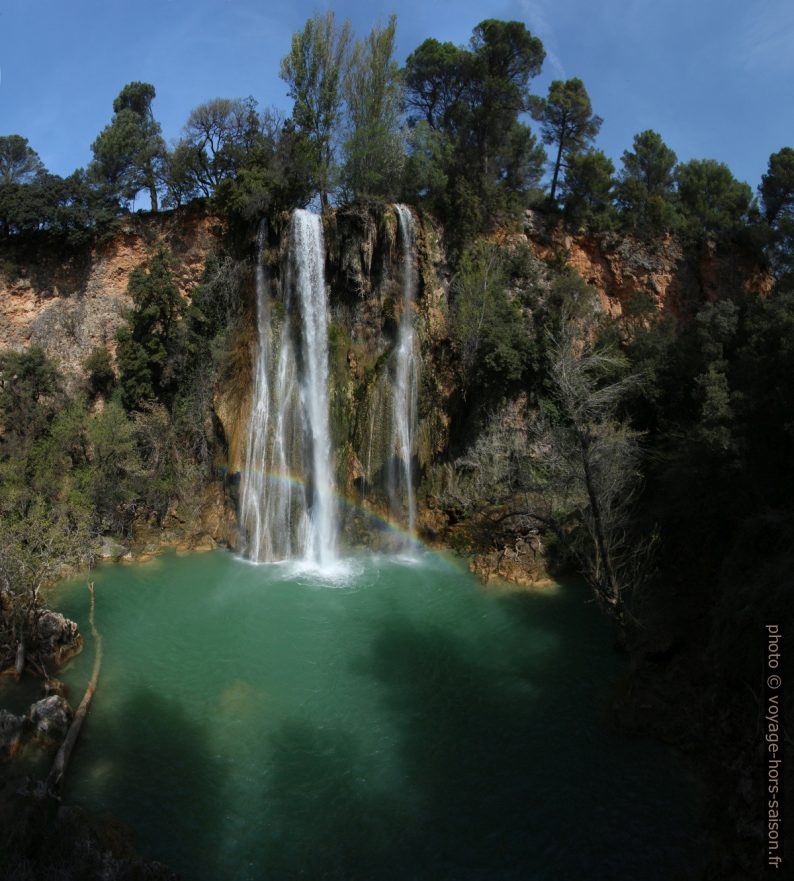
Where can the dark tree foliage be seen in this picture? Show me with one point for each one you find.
(646, 189)
(274, 176)
(129, 153)
(149, 342)
(587, 191)
(491, 337)
(567, 122)
(100, 376)
(68, 209)
(471, 158)
(710, 199)
(30, 393)
(777, 195)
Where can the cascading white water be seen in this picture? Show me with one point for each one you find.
(253, 494)
(406, 376)
(288, 430)
(306, 282)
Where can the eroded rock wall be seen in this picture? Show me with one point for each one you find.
(69, 303)
(678, 279)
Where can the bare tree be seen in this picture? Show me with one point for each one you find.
(586, 464)
(35, 546)
(569, 466)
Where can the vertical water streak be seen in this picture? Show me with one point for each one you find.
(272, 511)
(406, 374)
(307, 282)
(253, 491)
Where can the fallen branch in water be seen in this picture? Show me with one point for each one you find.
(55, 778)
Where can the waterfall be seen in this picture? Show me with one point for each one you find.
(406, 375)
(288, 430)
(253, 493)
(307, 281)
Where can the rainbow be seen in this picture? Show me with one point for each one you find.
(388, 524)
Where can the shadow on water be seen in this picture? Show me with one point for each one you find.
(498, 779)
(158, 755)
(321, 818)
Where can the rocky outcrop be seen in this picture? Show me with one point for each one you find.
(58, 637)
(69, 303)
(519, 561)
(51, 716)
(677, 279)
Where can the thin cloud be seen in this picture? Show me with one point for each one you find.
(534, 12)
(767, 37)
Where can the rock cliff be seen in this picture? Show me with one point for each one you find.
(69, 302)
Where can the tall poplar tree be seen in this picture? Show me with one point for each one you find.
(373, 94)
(314, 70)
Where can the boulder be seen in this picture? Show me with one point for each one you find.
(51, 716)
(59, 637)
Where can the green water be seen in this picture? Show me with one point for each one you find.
(398, 722)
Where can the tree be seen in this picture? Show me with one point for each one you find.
(471, 157)
(19, 163)
(116, 474)
(494, 348)
(217, 137)
(567, 121)
(276, 173)
(30, 393)
(711, 200)
(436, 77)
(148, 342)
(777, 195)
(505, 57)
(100, 377)
(646, 188)
(373, 94)
(129, 153)
(587, 190)
(585, 469)
(314, 71)
(35, 545)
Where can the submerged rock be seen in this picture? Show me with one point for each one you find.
(51, 716)
(59, 638)
(11, 728)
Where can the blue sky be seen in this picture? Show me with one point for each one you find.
(714, 77)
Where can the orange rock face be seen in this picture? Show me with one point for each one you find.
(70, 304)
(678, 281)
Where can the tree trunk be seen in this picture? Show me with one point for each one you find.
(612, 592)
(153, 195)
(557, 165)
(19, 664)
(55, 778)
